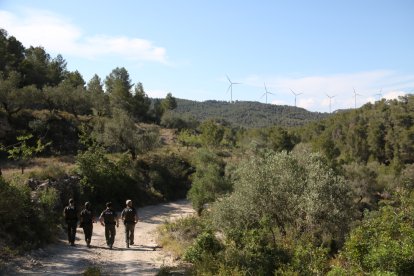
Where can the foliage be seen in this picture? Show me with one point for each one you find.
(169, 103)
(92, 271)
(384, 242)
(295, 193)
(248, 114)
(187, 138)
(103, 179)
(381, 132)
(122, 134)
(166, 174)
(179, 122)
(205, 245)
(22, 152)
(176, 236)
(208, 181)
(307, 259)
(24, 222)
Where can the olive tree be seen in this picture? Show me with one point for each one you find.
(291, 193)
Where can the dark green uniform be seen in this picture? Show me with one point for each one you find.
(109, 217)
(128, 216)
(86, 222)
(71, 218)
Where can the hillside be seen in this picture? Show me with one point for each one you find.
(248, 114)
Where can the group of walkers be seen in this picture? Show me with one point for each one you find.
(107, 218)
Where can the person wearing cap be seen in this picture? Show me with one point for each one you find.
(86, 222)
(109, 219)
(71, 217)
(130, 218)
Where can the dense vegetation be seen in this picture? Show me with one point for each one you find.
(333, 195)
(247, 114)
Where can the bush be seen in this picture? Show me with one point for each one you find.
(52, 172)
(208, 182)
(26, 222)
(293, 193)
(205, 246)
(176, 236)
(384, 242)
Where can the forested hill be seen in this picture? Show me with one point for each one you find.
(248, 114)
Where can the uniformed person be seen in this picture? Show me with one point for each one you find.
(71, 217)
(86, 222)
(130, 218)
(109, 219)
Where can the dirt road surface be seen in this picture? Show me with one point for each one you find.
(145, 257)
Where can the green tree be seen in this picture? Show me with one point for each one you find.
(74, 79)
(119, 78)
(22, 152)
(208, 181)
(299, 194)
(383, 244)
(12, 98)
(121, 132)
(140, 103)
(211, 133)
(169, 103)
(98, 98)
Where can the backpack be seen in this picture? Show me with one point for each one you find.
(129, 215)
(86, 216)
(109, 216)
(70, 213)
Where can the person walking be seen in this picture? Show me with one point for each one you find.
(86, 222)
(109, 219)
(130, 218)
(71, 217)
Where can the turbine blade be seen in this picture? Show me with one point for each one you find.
(228, 78)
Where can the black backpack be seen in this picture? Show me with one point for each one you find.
(70, 213)
(109, 216)
(129, 215)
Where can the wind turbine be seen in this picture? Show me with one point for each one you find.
(355, 96)
(231, 88)
(267, 92)
(379, 95)
(296, 94)
(330, 102)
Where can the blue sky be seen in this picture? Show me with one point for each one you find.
(316, 48)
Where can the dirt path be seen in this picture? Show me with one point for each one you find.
(143, 258)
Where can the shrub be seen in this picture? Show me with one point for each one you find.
(25, 222)
(205, 246)
(208, 182)
(176, 236)
(384, 242)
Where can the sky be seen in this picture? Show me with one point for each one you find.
(332, 54)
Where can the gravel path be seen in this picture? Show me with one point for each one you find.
(143, 258)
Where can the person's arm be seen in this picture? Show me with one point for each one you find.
(136, 216)
(101, 220)
(117, 220)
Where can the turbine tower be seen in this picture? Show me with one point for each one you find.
(379, 95)
(330, 102)
(231, 88)
(266, 93)
(355, 96)
(296, 94)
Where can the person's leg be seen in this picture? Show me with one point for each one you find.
(73, 233)
(107, 233)
(87, 229)
(69, 229)
(112, 236)
(131, 233)
(126, 235)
